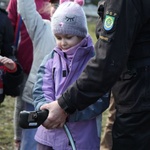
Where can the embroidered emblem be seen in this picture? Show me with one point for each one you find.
(109, 22)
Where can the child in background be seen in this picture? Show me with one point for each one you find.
(10, 71)
(60, 69)
(34, 38)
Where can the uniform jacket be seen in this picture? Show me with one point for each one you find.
(42, 38)
(122, 48)
(11, 81)
(59, 70)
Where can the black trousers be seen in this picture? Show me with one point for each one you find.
(131, 131)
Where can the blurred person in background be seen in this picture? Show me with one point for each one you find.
(11, 75)
(30, 53)
(106, 141)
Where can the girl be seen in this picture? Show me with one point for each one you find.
(59, 70)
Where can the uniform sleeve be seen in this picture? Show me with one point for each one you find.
(43, 91)
(116, 35)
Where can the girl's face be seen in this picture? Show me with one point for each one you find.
(67, 41)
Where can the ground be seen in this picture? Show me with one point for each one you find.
(6, 124)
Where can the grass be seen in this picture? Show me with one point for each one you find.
(7, 109)
(6, 124)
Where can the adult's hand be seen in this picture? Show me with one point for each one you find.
(56, 117)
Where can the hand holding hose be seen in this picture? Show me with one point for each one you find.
(56, 117)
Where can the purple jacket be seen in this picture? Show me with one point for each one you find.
(57, 71)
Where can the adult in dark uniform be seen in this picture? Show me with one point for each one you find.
(121, 63)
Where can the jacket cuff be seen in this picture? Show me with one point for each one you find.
(11, 71)
(68, 109)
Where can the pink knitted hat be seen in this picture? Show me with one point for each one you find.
(70, 18)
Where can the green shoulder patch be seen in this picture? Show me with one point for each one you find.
(109, 22)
